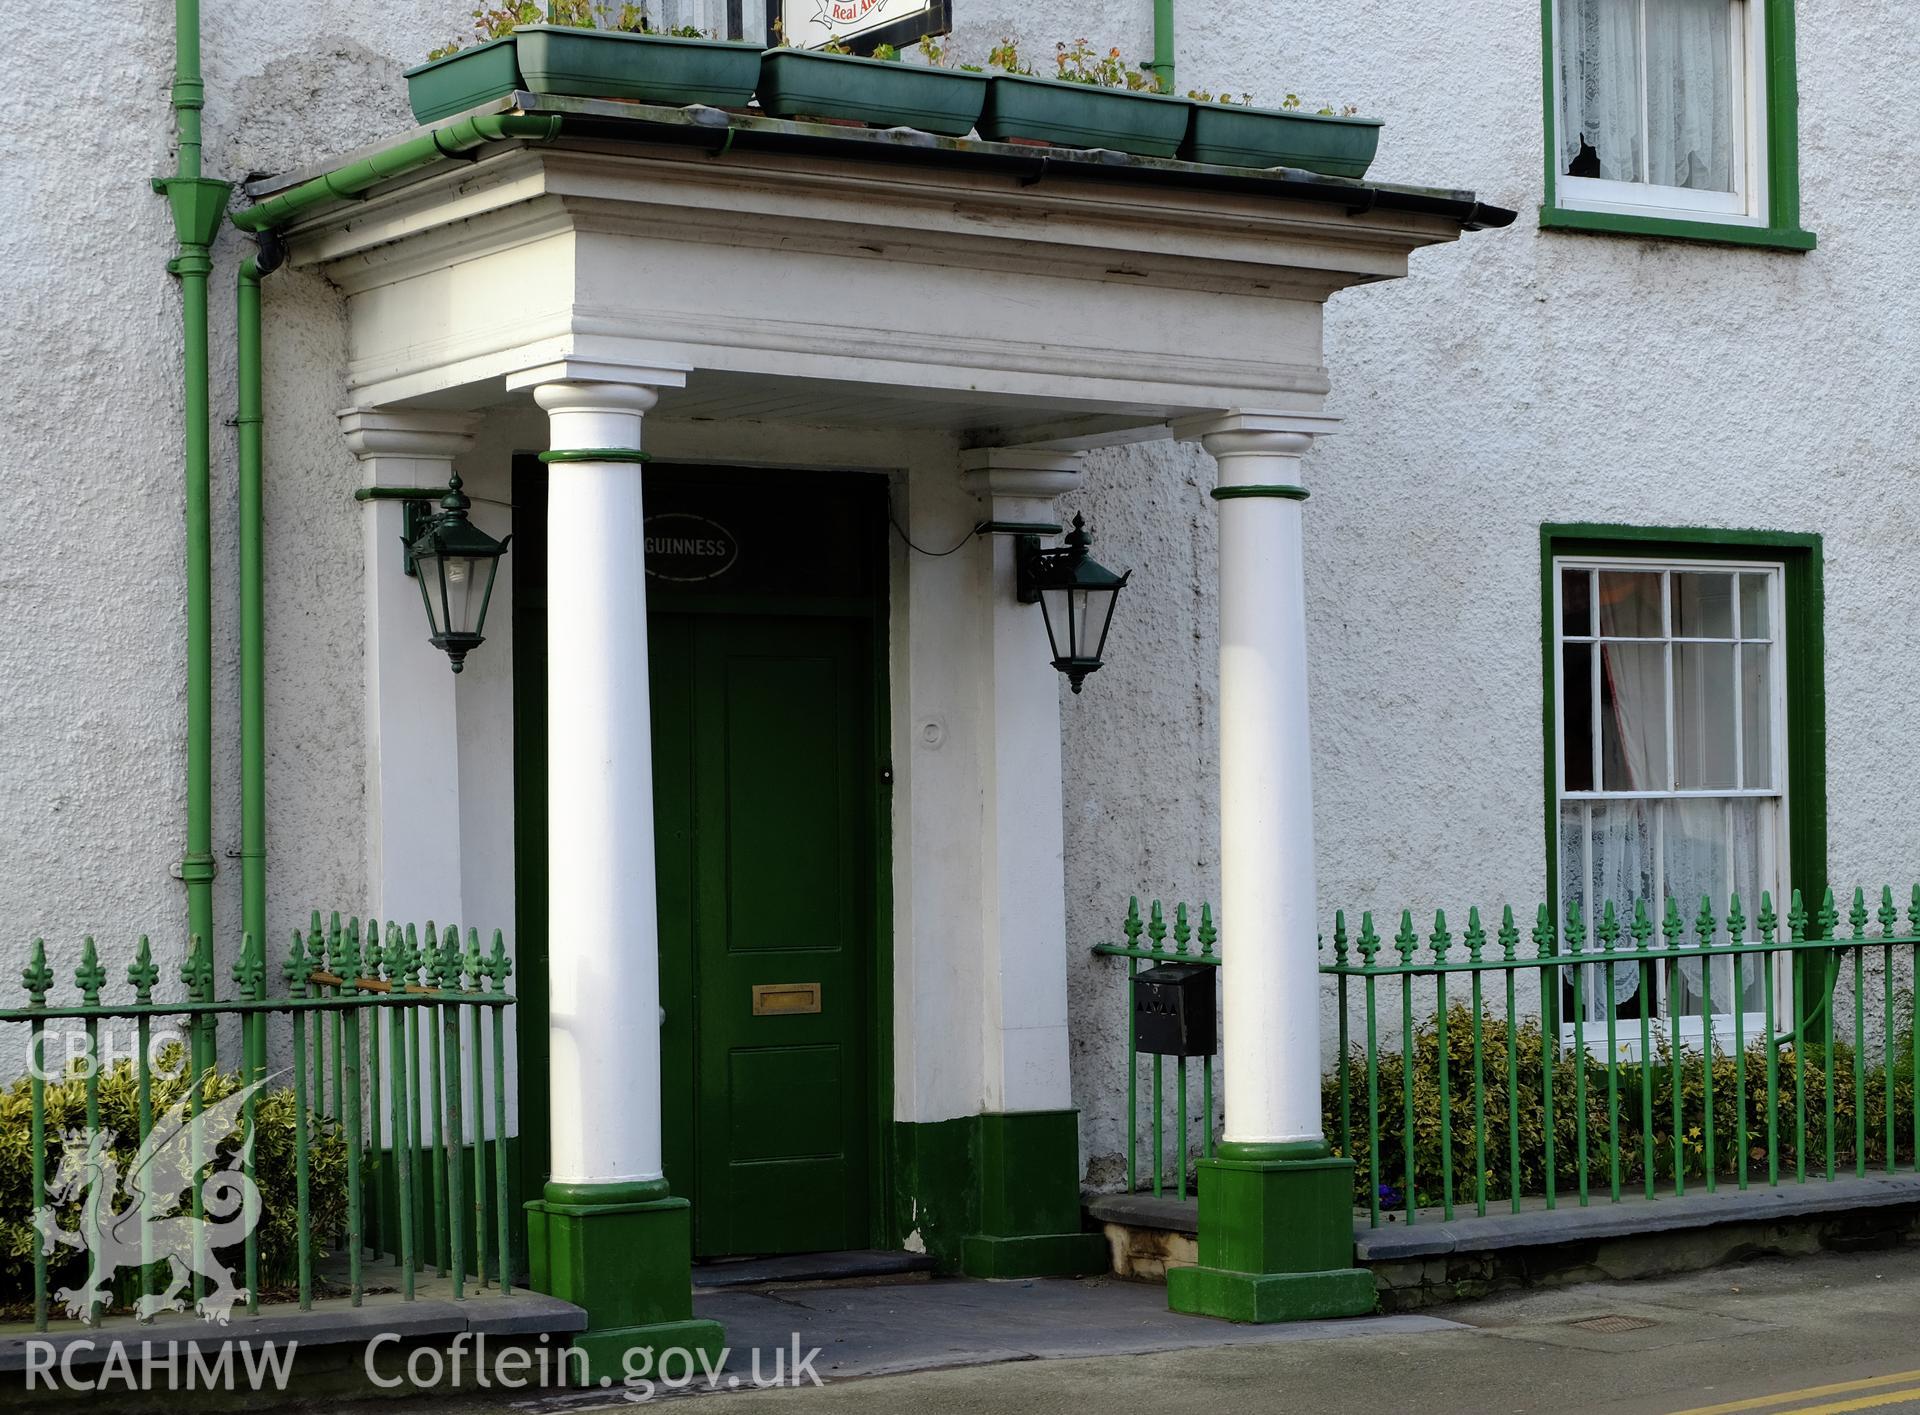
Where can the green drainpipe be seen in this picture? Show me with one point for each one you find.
(253, 683)
(444, 142)
(1162, 64)
(197, 205)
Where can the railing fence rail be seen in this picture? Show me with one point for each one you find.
(445, 1007)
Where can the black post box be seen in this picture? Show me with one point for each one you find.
(1173, 1010)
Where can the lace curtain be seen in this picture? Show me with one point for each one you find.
(1704, 844)
(1647, 91)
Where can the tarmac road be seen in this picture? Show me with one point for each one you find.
(1827, 1334)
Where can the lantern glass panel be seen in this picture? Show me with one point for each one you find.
(465, 588)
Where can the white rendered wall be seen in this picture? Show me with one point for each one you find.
(1515, 378)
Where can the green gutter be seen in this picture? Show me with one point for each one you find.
(253, 645)
(197, 205)
(1162, 64)
(460, 136)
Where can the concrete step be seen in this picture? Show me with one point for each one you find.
(855, 1266)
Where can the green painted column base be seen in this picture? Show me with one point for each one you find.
(1276, 1239)
(623, 1353)
(628, 1260)
(1028, 1168)
(1270, 1297)
(1035, 1255)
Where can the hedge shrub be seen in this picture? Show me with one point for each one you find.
(1531, 1114)
(273, 1161)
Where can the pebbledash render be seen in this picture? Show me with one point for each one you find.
(1656, 431)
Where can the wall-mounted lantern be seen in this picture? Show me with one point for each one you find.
(455, 562)
(1076, 595)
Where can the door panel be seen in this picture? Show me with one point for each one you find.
(763, 810)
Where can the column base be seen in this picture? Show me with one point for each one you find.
(1276, 1240)
(1270, 1297)
(615, 1356)
(629, 1263)
(1035, 1255)
(1029, 1168)
(997, 1195)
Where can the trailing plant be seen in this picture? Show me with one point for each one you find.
(1525, 1090)
(274, 1170)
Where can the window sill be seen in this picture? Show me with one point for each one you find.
(1606, 223)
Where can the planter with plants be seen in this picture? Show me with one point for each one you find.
(1092, 100)
(837, 84)
(1237, 134)
(580, 48)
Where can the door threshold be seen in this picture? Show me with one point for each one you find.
(855, 1266)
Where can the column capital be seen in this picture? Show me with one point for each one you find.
(601, 372)
(1020, 471)
(406, 433)
(594, 406)
(1258, 452)
(1244, 431)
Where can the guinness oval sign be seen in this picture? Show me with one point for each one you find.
(684, 548)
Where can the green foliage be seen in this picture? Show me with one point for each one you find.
(1081, 63)
(503, 18)
(273, 1160)
(1430, 1141)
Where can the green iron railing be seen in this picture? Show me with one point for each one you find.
(1158, 1099)
(1646, 1086)
(361, 1007)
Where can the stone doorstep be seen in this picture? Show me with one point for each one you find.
(859, 1265)
(1539, 1227)
(334, 1321)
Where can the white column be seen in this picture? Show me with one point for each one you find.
(413, 740)
(602, 933)
(1270, 982)
(1023, 898)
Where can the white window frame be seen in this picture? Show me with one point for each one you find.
(1745, 205)
(1752, 1024)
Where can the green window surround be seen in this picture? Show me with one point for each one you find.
(1799, 557)
(1776, 89)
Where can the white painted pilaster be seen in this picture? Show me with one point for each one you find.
(1023, 889)
(603, 934)
(413, 768)
(1269, 982)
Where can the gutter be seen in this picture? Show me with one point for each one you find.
(456, 139)
(541, 117)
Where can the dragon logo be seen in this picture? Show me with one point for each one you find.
(166, 1167)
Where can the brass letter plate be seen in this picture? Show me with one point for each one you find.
(780, 999)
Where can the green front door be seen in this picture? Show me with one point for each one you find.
(767, 615)
(763, 783)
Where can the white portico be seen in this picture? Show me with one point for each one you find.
(787, 319)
